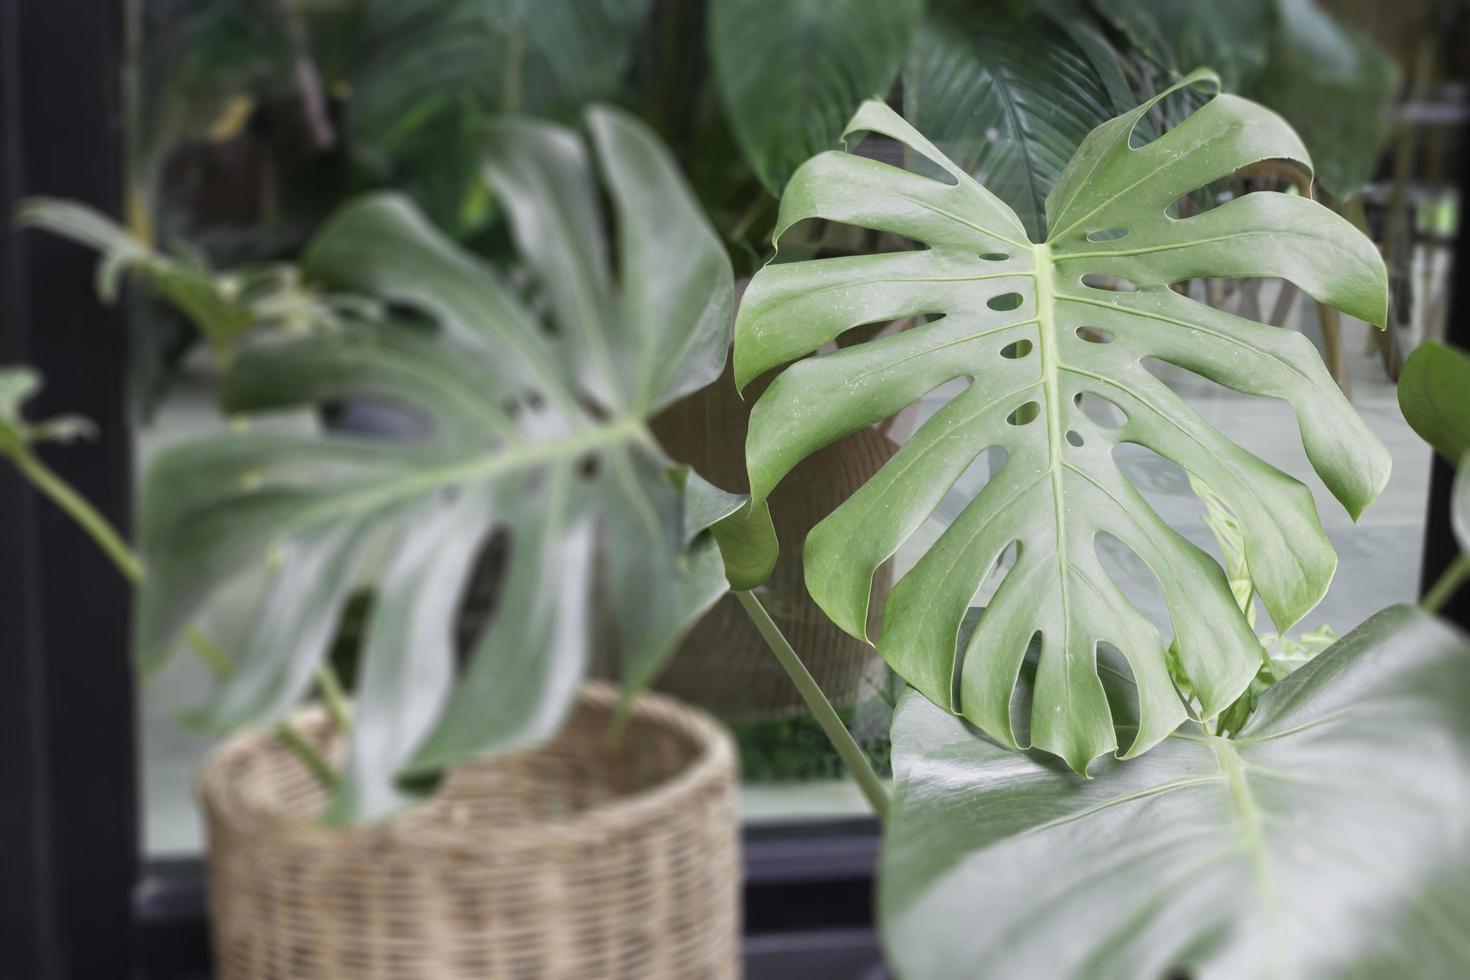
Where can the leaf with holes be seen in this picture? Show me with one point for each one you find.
(1043, 332)
(539, 435)
(1330, 839)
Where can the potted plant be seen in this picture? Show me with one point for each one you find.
(1314, 828)
(569, 831)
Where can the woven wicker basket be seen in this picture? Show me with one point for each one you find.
(571, 860)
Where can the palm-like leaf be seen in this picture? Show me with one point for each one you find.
(514, 443)
(1007, 96)
(1330, 839)
(1020, 322)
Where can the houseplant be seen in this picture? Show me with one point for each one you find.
(1284, 849)
(539, 434)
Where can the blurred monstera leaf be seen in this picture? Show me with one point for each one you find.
(1331, 838)
(1053, 338)
(790, 72)
(539, 435)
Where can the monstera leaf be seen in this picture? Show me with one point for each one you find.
(1330, 839)
(1045, 333)
(536, 435)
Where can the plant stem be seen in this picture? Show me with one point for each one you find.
(836, 732)
(59, 492)
(308, 755)
(330, 685)
(1455, 576)
(78, 509)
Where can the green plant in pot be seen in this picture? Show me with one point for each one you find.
(1323, 834)
(538, 435)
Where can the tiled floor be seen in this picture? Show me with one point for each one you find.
(1379, 565)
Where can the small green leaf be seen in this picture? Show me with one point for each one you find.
(1331, 839)
(1434, 395)
(17, 386)
(746, 536)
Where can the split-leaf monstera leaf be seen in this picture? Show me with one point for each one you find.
(539, 435)
(1038, 329)
(1330, 838)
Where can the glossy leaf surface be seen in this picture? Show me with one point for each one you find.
(1331, 839)
(518, 430)
(1039, 331)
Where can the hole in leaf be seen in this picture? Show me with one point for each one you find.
(1264, 176)
(1024, 415)
(1094, 335)
(1005, 301)
(1121, 690)
(886, 149)
(994, 257)
(1017, 350)
(1116, 284)
(1023, 695)
(1101, 411)
(1074, 437)
(1169, 112)
(992, 582)
(480, 600)
(1133, 577)
(1265, 299)
(982, 470)
(1107, 235)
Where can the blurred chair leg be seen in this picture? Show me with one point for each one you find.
(1331, 324)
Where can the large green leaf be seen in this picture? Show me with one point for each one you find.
(1335, 86)
(791, 72)
(1007, 95)
(1434, 395)
(530, 433)
(1182, 35)
(1039, 338)
(1331, 839)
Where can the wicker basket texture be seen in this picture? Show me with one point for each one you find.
(576, 860)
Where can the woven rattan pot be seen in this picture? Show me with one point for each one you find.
(571, 861)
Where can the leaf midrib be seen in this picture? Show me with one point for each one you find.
(1252, 832)
(337, 506)
(1045, 279)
